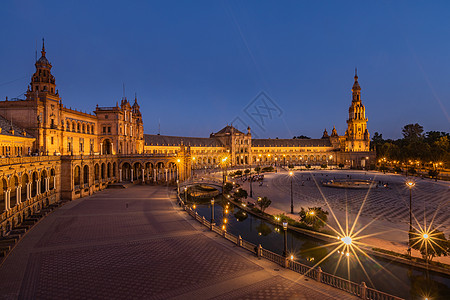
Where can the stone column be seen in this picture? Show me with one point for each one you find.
(6, 193)
(120, 175)
(101, 148)
(38, 187)
(132, 175)
(112, 148)
(154, 175)
(148, 174)
(18, 194)
(54, 182)
(143, 175)
(165, 177)
(28, 190)
(47, 184)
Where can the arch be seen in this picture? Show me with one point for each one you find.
(24, 182)
(114, 169)
(14, 183)
(107, 146)
(137, 171)
(3, 189)
(86, 175)
(84, 128)
(43, 177)
(52, 179)
(96, 172)
(103, 171)
(126, 171)
(78, 127)
(34, 177)
(108, 171)
(77, 176)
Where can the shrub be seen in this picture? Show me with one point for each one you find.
(247, 171)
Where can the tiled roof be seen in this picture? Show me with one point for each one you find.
(165, 140)
(5, 125)
(228, 129)
(291, 143)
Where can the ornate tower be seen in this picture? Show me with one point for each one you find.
(357, 135)
(42, 80)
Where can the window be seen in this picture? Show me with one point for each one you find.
(104, 129)
(106, 116)
(51, 140)
(92, 129)
(81, 145)
(109, 129)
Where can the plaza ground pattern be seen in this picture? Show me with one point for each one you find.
(137, 243)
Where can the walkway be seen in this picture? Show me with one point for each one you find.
(136, 243)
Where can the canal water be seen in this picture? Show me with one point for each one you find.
(384, 275)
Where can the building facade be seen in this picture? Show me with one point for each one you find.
(351, 149)
(49, 152)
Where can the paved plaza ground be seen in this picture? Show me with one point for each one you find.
(386, 209)
(135, 243)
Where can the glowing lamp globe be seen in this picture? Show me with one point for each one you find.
(347, 240)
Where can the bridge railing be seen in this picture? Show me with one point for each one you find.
(353, 288)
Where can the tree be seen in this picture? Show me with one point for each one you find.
(264, 203)
(240, 193)
(341, 165)
(238, 173)
(301, 137)
(258, 169)
(435, 245)
(412, 132)
(247, 171)
(323, 166)
(315, 217)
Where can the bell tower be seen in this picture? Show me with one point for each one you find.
(357, 135)
(42, 81)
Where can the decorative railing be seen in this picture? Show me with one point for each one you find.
(353, 288)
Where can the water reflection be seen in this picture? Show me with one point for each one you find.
(393, 278)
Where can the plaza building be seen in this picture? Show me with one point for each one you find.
(351, 149)
(49, 152)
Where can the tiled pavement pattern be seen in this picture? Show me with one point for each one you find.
(391, 204)
(101, 248)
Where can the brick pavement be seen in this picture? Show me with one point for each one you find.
(100, 248)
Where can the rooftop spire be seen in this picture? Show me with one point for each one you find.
(43, 48)
(356, 84)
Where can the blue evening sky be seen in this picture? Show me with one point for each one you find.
(198, 65)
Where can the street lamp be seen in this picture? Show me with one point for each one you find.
(185, 194)
(178, 169)
(285, 226)
(410, 184)
(212, 211)
(292, 198)
(425, 236)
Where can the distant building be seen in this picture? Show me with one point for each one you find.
(351, 149)
(49, 152)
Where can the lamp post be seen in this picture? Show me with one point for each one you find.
(178, 169)
(185, 194)
(212, 211)
(425, 236)
(285, 225)
(410, 184)
(292, 198)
